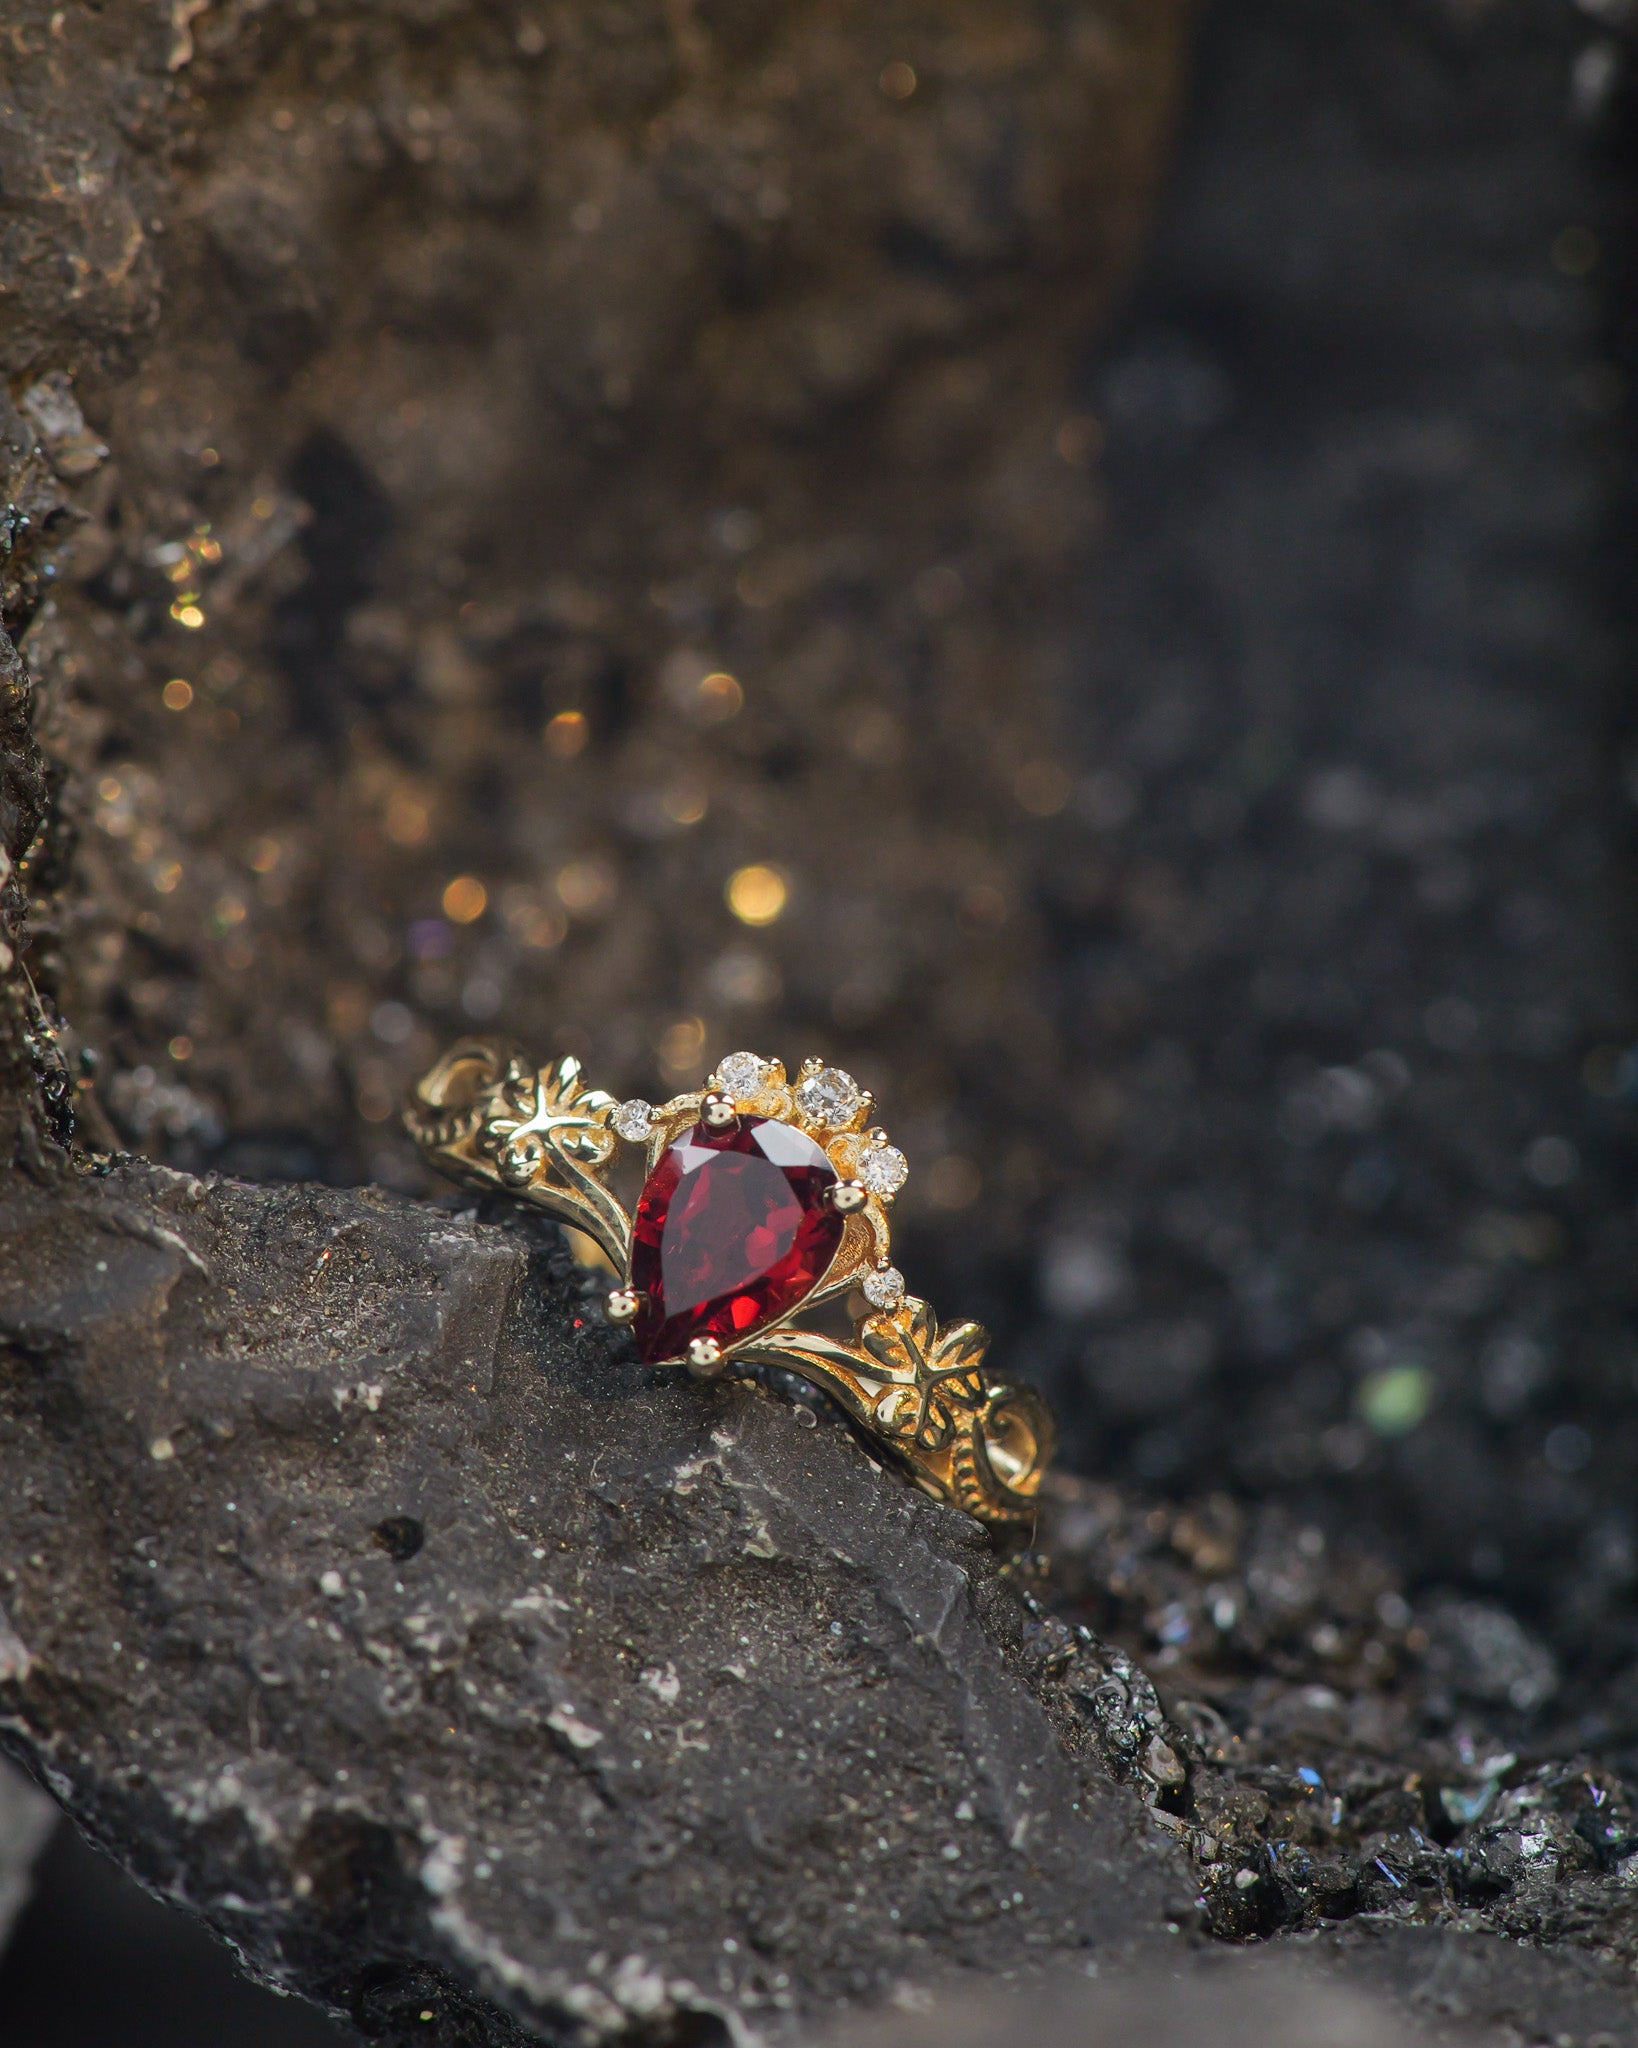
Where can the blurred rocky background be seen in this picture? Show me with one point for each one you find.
(1087, 579)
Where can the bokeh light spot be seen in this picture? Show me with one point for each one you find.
(567, 734)
(465, 900)
(757, 894)
(1395, 1400)
(586, 888)
(718, 698)
(408, 820)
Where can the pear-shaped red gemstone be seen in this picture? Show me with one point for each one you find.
(732, 1231)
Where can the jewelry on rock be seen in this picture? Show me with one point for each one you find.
(764, 1199)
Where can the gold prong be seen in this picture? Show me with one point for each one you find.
(623, 1305)
(717, 1111)
(847, 1197)
(704, 1357)
(810, 1067)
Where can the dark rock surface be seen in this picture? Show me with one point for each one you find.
(461, 370)
(454, 367)
(161, 1980)
(437, 1653)
(1408, 1994)
(363, 1597)
(1350, 974)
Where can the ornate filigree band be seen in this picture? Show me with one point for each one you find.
(764, 1199)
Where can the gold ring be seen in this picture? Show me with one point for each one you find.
(764, 1198)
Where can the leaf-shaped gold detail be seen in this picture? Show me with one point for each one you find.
(484, 1114)
(924, 1391)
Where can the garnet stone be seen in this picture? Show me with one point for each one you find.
(732, 1231)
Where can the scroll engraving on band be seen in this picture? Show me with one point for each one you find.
(484, 1116)
(923, 1391)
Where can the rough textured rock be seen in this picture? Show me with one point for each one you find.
(1415, 1994)
(366, 1599)
(364, 1596)
(1350, 973)
(438, 378)
(463, 368)
(1345, 1756)
(1278, 2010)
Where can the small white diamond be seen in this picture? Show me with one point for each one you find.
(884, 1169)
(884, 1289)
(633, 1120)
(742, 1075)
(829, 1097)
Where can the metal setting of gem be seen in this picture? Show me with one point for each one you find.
(762, 1200)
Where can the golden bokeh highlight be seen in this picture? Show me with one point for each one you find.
(681, 1048)
(375, 1095)
(536, 925)
(718, 698)
(585, 888)
(408, 820)
(567, 734)
(465, 900)
(177, 694)
(898, 79)
(685, 804)
(757, 895)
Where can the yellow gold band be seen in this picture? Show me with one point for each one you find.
(485, 1116)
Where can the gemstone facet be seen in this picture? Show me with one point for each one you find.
(732, 1232)
(883, 1169)
(829, 1098)
(633, 1120)
(742, 1075)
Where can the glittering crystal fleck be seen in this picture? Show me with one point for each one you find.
(883, 1169)
(633, 1120)
(884, 1289)
(742, 1075)
(829, 1097)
